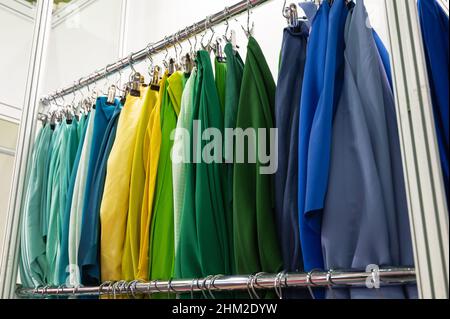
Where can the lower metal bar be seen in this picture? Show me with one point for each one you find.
(383, 277)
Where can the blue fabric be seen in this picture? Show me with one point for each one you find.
(310, 10)
(88, 254)
(318, 105)
(435, 33)
(365, 219)
(64, 249)
(384, 54)
(287, 111)
(311, 91)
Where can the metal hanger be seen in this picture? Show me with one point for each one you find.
(249, 30)
(192, 287)
(291, 14)
(331, 283)
(211, 285)
(310, 282)
(255, 282)
(208, 46)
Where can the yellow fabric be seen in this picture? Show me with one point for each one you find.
(153, 139)
(114, 207)
(130, 259)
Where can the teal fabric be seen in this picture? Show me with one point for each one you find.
(53, 201)
(76, 142)
(33, 260)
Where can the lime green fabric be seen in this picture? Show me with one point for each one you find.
(221, 79)
(162, 243)
(255, 242)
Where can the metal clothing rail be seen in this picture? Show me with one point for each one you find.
(371, 279)
(159, 46)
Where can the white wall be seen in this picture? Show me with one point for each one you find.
(86, 39)
(151, 20)
(100, 31)
(16, 32)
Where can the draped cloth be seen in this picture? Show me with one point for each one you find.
(256, 246)
(435, 33)
(365, 219)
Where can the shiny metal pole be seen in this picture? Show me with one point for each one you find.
(184, 34)
(10, 252)
(386, 277)
(428, 209)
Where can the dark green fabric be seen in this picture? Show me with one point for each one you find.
(204, 236)
(221, 78)
(255, 242)
(235, 70)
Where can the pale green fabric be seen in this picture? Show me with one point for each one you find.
(33, 261)
(76, 210)
(181, 150)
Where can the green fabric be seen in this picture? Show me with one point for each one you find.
(235, 69)
(221, 78)
(54, 201)
(187, 264)
(181, 149)
(212, 233)
(33, 260)
(255, 242)
(162, 241)
(204, 236)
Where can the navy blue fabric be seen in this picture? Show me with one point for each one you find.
(365, 219)
(64, 248)
(287, 111)
(435, 33)
(88, 254)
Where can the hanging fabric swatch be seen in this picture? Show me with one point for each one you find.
(256, 244)
(181, 153)
(161, 244)
(33, 265)
(153, 139)
(212, 233)
(130, 260)
(311, 92)
(55, 201)
(235, 70)
(88, 255)
(287, 108)
(77, 203)
(115, 201)
(435, 33)
(365, 219)
(103, 115)
(63, 268)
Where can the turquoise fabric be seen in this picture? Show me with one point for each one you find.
(33, 260)
(63, 260)
(53, 201)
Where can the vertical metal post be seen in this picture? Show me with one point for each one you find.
(423, 175)
(10, 254)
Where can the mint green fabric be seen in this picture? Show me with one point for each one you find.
(33, 261)
(181, 150)
(54, 201)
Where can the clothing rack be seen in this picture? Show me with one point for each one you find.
(154, 48)
(250, 283)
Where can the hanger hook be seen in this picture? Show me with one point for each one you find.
(131, 63)
(330, 282)
(249, 30)
(211, 284)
